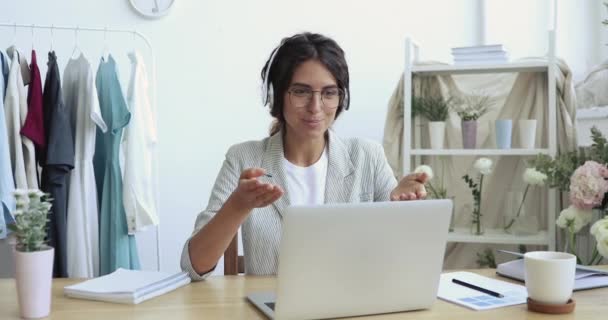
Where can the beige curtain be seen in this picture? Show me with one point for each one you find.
(514, 96)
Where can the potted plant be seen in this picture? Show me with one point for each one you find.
(583, 175)
(471, 109)
(33, 257)
(436, 110)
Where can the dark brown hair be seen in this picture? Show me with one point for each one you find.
(293, 51)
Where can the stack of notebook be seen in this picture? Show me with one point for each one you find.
(487, 54)
(127, 286)
(585, 277)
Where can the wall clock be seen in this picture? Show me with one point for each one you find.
(152, 9)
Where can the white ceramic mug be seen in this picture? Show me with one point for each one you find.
(549, 276)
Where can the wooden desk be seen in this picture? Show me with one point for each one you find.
(224, 298)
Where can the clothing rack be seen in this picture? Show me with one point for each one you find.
(105, 30)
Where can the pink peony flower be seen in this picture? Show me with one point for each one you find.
(588, 185)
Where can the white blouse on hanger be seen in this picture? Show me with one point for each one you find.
(23, 157)
(7, 184)
(139, 145)
(80, 97)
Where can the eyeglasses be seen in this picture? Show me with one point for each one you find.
(301, 96)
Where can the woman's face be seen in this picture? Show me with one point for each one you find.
(311, 101)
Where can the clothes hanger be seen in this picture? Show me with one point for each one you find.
(105, 55)
(52, 27)
(33, 36)
(76, 48)
(14, 35)
(134, 39)
(13, 47)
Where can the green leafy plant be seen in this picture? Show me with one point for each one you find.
(573, 172)
(476, 191)
(416, 106)
(560, 169)
(31, 218)
(435, 108)
(472, 107)
(486, 259)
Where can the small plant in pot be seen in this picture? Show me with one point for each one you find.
(470, 110)
(436, 110)
(33, 257)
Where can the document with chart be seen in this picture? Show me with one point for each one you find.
(478, 292)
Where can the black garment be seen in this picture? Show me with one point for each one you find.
(57, 163)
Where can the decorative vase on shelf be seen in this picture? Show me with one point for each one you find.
(437, 134)
(527, 133)
(33, 276)
(469, 134)
(453, 217)
(477, 227)
(516, 220)
(503, 133)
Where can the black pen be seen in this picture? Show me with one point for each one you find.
(474, 287)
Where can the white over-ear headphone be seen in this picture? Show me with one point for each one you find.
(267, 87)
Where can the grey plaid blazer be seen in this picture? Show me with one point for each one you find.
(357, 172)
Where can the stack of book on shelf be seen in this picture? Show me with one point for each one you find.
(486, 54)
(127, 286)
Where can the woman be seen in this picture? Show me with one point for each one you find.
(302, 162)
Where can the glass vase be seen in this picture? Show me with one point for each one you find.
(453, 217)
(516, 220)
(477, 227)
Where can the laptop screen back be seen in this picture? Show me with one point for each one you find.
(353, 259)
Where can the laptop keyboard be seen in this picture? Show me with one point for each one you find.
(269, 305)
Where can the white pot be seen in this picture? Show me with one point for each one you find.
(34, 274)
(437, 134)
(527, 133)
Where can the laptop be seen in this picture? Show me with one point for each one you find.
(341, 260)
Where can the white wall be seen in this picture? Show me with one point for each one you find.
(209, 58)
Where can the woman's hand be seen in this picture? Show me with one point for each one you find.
(251, 193)
(411, 187)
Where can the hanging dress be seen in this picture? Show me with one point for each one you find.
(117, 248)
(139, 149)
(57, 162)
(23, 157)
(80, 96)
(33, 128)
(7, 184)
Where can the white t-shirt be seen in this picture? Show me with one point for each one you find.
(306, 185)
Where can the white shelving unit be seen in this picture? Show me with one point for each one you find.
(478, 152)
(496, 236)
(546, 65)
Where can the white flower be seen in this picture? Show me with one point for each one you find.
(534, 177)
(599, 227)
(483, 165)
(17, 212)
(600, 230)
(22, 203)
(602, 244)
(574, 217)
(425, 169)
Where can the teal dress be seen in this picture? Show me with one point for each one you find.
(117, 249)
